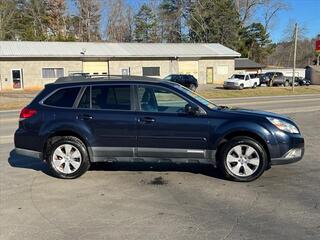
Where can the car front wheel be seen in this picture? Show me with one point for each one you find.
(68, 158)
(242, 159)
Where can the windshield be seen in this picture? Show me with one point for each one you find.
(167, 77)
(196, 96)
(237, 76)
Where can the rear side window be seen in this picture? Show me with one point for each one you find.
(111, 97)
(63, 98)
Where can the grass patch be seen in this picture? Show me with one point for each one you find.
(261, 91)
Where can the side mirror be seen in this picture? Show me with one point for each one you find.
(192, 110)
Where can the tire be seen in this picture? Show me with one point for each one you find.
(192, 87)
(235, 167)
(286, 83)
(254, 85)
(269, 84)
(60, 153)
(241, 87)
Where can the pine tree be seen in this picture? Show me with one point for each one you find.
(56, 10)
(214, 21)
(145, 25)
(171, 16)
(255, 42)
(7, 19)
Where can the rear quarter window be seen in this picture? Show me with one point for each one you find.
(63, 98)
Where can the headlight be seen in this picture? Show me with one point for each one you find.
(283, 125)
(236, 83)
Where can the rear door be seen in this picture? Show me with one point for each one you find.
(108, 114)
(164, 129)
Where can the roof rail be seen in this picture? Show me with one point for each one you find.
(87, 77)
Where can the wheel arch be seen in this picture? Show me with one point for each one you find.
(54, 136)
(242, 133)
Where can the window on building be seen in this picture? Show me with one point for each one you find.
(111, 97)
(63, 98)
(151, 71)
(52, 72)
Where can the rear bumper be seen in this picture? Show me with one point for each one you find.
(28, 153)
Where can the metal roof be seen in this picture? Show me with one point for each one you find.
(16, 49)
(245, 63)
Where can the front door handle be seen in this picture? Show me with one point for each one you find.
(85, 117)
(146, 120)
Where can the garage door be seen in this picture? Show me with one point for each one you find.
(189, 67)
(95, 67)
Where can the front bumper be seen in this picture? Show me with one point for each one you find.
(293, 151)
(288, 159)
(231, 86)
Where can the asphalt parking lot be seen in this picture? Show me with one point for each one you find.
(165, 201)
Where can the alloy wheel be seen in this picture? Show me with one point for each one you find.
(67, 158)
(243, 160)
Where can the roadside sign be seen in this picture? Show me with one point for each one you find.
(318, 45)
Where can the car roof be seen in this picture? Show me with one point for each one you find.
(75, 80)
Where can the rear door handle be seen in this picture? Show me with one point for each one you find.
(85, 117)
(146, 120)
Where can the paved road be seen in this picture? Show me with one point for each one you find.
(165, 201)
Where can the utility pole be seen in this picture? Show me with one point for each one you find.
(294, 55)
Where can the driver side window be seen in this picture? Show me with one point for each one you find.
(154, 99)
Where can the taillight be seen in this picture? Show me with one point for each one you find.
(27, 113)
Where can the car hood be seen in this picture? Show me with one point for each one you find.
(252, 112)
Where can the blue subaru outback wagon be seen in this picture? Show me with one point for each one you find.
(77, 121)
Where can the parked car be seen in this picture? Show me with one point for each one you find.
(73, 123)
(262, 78)
(241, 81)
(299, 81)
(186, 80)
(275, 79)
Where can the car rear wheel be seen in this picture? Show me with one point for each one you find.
(242, 159)
(68, 158)
(254, 85)
(286, 83)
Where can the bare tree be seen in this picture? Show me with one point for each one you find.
(120, 21)
(89, 19)
(246, 9)
(270, 10)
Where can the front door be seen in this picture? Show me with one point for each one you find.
(110, 119)
(17, 78)
(165, 130)
(209, 75)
